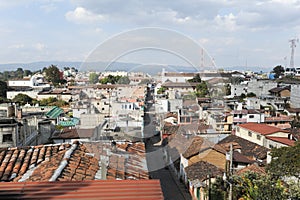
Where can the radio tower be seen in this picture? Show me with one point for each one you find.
(293, 45)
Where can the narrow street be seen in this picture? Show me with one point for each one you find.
(172, 188)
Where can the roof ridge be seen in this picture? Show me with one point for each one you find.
(64, 161)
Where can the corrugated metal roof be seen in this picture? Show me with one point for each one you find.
(99, 189)
(54, 112)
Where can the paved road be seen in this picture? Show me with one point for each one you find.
(172, 188)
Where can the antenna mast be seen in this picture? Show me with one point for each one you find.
(293, 46)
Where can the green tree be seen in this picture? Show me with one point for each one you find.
(263, 187)
(278, 71)
(53, 75)
(201, 89)
(93, 78)
(227, 89)
(27, 72)
(285, 162)
(113, 79)
(19, 73)
(249, 186)
(161, 90)
(251, 94)
(52, 101)
(124, 80)
(195, 79)
(22, 99)
(3, 89)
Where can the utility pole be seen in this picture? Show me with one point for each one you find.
(230, 172)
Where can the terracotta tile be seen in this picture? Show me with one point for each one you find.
(41, 155)
(34, 156)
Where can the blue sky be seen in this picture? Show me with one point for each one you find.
(234, 33)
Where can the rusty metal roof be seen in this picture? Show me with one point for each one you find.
(97, 189)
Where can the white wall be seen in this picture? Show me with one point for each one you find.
(295, 96)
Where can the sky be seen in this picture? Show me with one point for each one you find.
(248, 33)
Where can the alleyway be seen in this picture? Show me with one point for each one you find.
(172, 188)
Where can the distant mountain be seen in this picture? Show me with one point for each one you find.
(248, 68)
(98, 66)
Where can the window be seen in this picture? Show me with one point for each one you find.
(238, 129)
(271, 146)
(251, 116)
(249, 133)
(7, 138)
(258, 137)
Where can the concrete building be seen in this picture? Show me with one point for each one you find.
(264, 135)
(259, 87)
(295, 96)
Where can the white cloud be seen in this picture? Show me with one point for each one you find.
(39, 46)
(226, 22)
(48, 8)
(82, 16)
(16, 46)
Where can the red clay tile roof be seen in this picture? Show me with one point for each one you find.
(238, 157)
(198, 144)
(97, 189)
(282, 140)
(73, 133)
(279, 89)
(248, 149)
(200, 170)
(261, 128)
(293, 110)
(79, 161)
(276, 119)
(252, 168)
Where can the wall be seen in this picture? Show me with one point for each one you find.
(12, 94)
(295, 96)
(243, 133)
(273, 144)
(8, 129)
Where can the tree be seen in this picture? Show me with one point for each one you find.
(251, 94)
(27, 72)
(93, 78)
(52, 101)
(195, 79)
(255, 186)
(250, 186)
(22, 99)
(227, 89)
(201, 89)
(19, 73)
(53, 75)
(3, 89)
(278, 70)
(115, 79)
(161, 90)
(124, 80)
(285, 162)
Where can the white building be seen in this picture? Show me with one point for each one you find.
(295, 96)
